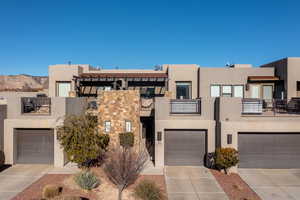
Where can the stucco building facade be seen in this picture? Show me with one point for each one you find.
(179, 112)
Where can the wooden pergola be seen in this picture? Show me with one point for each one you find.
(89, 84)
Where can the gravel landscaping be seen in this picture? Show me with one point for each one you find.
(235, 187)
(106, 190)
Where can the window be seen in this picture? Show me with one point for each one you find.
(107, 126)
(226, 91)
(238, 91)
(267, 92)
(183, 90)
(215, 91)
(255, 91)
(128, 127)
(298, 86)
(63, 89)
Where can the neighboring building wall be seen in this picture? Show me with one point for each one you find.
(117, 107)
(228, 76)
(62, 73)
(183, 73)
(164, 120)
(293, 76)
(233, 122)
(281, 71)
(60, 107)
(3, 115)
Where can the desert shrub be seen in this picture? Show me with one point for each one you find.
(69, 198)
(123, 166)
(2, 158)
(81, 140)
(87, 180)
(51, 191)
(126, 139)
(148, 190)
(226, 158)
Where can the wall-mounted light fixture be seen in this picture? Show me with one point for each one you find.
(229, 139)
(159, 135)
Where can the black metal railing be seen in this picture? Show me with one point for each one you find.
(36, 105)
(185, 106)
(252, 106)
(275, 106)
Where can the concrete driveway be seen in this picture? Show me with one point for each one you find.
(16, 178)
(192, 183)
(273, 184)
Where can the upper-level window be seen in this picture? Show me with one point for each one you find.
(215, 90)
(183, 90)
(238, 91)
(267, 92)
(226, 91)
(63, 89)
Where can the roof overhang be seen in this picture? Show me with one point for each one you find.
(262, 78)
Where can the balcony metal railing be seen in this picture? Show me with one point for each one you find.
(273, 106)
(36, 105)
(252, 106)
(185, 106)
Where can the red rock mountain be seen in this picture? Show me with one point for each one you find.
(23, 82)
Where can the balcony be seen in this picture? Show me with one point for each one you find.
(274, 107)
(185, 106)
(36, 105)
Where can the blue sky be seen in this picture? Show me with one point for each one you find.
(141, 34)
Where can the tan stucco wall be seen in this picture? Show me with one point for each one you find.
(62, 73)
(184, 73)
(10, 145)
(228, 76)
(293, 76)
(234, 127)
(164, 120)
(59, 107)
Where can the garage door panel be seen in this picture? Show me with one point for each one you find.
(269, 150)
(35, 146)
(184, 147)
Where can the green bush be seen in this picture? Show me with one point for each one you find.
(51, 191)
(147, 190)
(80, 139)
(2, 158)
(226, 158)
(87, 180)
(126, 139)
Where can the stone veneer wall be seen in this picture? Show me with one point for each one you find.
(117, 106)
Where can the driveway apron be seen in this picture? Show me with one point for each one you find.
(192, 183)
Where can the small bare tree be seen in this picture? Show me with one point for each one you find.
(123, 166)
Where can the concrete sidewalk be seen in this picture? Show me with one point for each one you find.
(192, 183)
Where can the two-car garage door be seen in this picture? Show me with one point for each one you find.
(34, 146)
(269, 150)
(185, 147)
